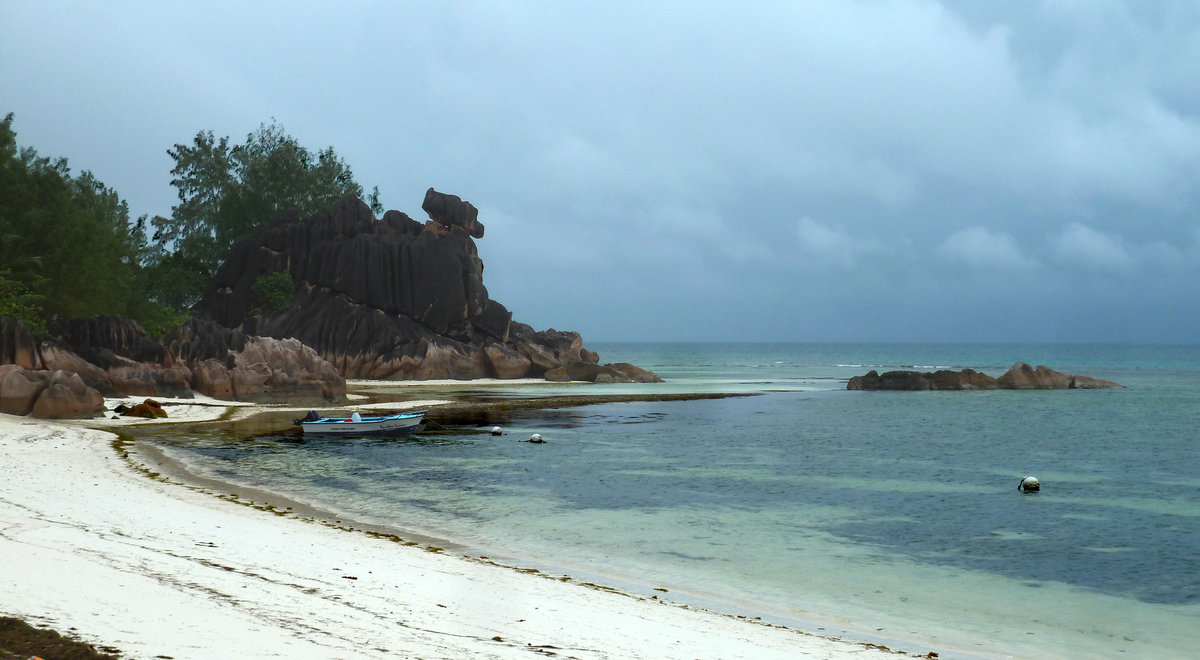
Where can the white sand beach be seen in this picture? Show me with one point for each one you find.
(91, 546)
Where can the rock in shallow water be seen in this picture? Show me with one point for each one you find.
(1020, 377)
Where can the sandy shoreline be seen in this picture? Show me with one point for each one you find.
(156, 568)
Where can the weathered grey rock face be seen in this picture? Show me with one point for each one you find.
(396, 266)
(390, 298)
(450, 211)
(104, 339)
(17, 345)
(1020, 377)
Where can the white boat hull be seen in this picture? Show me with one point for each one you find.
(393, 425)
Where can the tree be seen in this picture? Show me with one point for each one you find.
(18, 302)
(227, 192)
(275, 289)
(65, 238)
(67, 245)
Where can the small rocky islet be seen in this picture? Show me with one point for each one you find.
(1020, 377)
(373, 298)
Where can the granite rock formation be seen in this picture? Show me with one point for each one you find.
(20, 388)
(1020, 377)
(390, 298)
(66, 397)
(227, 364)
(46, 394)
(198, 356)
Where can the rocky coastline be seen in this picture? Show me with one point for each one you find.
(393, 298)
(388, 298)
(1019, 377)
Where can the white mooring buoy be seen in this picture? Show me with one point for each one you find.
(1029, 485)
(496, 430)
(536, 439)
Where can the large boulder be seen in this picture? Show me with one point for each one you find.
(212, 379)
(67, 397)
(274, 370)
(58, 357)
(867, 381)
(226, 364)
(451, 211)
(633, 374)
(1022, 377)
(506, 361)
(148, 379)
(20, 388)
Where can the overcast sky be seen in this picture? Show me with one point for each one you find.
(902, 170)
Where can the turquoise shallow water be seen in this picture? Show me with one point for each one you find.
(893, 514)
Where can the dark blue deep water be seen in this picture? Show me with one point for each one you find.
(895, 513)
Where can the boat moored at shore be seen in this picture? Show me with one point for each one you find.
(401, 424)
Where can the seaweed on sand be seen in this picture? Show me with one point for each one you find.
(19, 640)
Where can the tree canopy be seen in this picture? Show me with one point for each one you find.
(226, 192)
(68, 246)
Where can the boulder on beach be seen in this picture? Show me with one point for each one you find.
(67, 397)
(149, 409)
(20, 388)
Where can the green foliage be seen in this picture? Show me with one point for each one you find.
(373, 201)
(18, 302)
(174, 279)
(66, 239)
(156, 319)
(69, 248)
(275, 289)
(227, 192)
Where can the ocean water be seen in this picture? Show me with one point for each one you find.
(889, 516)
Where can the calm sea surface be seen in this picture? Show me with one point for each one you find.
(889, 515)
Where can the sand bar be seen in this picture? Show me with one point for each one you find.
(158, 569)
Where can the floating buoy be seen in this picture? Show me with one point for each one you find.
(1029, 485)
(536, 439)
(496, 430)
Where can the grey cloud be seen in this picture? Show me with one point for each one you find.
(777, 171)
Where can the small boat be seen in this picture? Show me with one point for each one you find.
(391, 425)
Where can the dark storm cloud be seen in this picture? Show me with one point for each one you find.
(904, 170)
